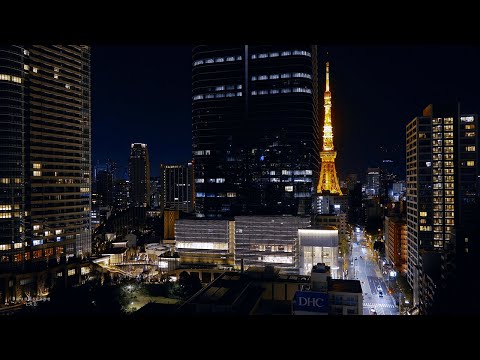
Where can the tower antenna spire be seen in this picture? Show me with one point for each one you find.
(328, 181)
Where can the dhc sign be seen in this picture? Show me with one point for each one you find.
(310, 301)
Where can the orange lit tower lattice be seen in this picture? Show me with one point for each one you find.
(328, 181)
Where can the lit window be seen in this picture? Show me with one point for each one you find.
(58, 232)
(239, 93)
(254, 56)
(285, 76)
(263, 77)
(207, 152)
(219, 60)
(219, 96)
(5, 215)
(198, 62)
(35, 70)
(231, 194)
(470, 148)
(209, 61)
(254, 92)
(274, 76)
(220, 180)
(26, 52)
(26, 67)
(239, 87)
(67, 86)
(37, 173)
(286, 53)
(286, 91)
(262, 56)
(470, 134)
(470, 163)
(55, 76)
(470, 127)
(209, 96)
(230, 58)
(198, 97)
(428, 163)
(289, 188)
(254, 78)
(37, 166)
(263, 92)
(200, 181)
(274, 54)
(239, 58)
(274, 91)
(220, 88)
(423, 213)
(200, 194)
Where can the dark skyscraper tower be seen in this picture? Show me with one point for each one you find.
(139, 175)
(45, 147)
(178, 187)
(255, 130)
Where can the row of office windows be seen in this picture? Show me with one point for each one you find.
(281, 76)
(282, 53)
(217, 60)
(212, 195)
(11, 78)
(282, 91)
(216, 96)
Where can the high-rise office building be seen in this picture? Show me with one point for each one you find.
(178, 187)
(45, 154)
(139, 175)
(442, 174)
(255, 128)
(373, 182)
(105, 188)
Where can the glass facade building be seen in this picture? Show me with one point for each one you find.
(255, 129)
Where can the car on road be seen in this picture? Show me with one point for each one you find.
(355, 259)
(373, 311)
(379, 288)
(380, 294)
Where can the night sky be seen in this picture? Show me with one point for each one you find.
(143, 94)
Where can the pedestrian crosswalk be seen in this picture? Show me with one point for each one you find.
(389, 306)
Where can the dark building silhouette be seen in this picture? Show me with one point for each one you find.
(255, 128)
(139, 175)
(45, 157)
(105, 188)
(178, 187)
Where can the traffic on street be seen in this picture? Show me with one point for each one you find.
(363, 266)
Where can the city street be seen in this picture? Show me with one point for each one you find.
(366, 270)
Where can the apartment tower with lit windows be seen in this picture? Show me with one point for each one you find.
(255, 129)
(45, 154)
(442, 175)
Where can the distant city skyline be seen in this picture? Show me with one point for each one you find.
(145, 96)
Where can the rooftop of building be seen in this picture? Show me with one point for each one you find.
(320, 268)
(347, 286)
(231, 292)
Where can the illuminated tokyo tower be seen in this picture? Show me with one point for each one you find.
(328, 181)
